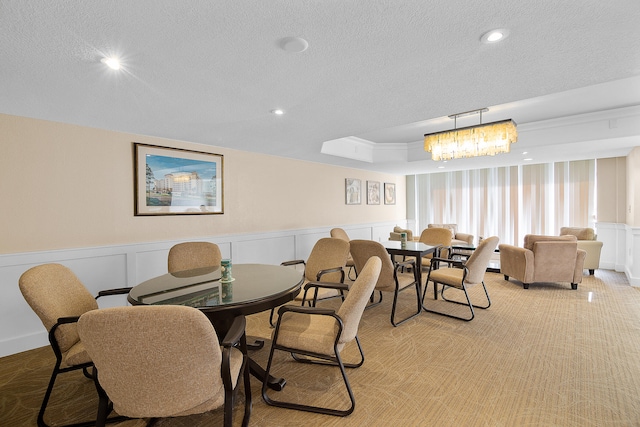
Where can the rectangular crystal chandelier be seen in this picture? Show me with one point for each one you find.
(472, 141)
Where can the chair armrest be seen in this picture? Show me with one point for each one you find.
(593, 248)
(577, 273)
(235, 333)
(294, 262)
(117, 291)
(63, 320)
(306, 310)
(328, 285)
(52, 333)
(466, 237)
(454, 262)
(589, 244)
(516, 262)
(330, 270)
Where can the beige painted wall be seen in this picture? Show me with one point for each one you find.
(633, 188)
(67, 186)
(612, 189)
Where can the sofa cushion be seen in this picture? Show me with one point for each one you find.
(580, 233)
(530, 239)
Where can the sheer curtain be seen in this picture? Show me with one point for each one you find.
(509, 202)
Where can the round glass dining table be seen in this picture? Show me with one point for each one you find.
(253, 288)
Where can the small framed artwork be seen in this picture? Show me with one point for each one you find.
(352, 191)
(373, 193)
(389, 193)
(173, 181)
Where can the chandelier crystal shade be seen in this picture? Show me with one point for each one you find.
(479, 140)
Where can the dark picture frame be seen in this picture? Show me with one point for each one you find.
(176, 181)
(389, 193)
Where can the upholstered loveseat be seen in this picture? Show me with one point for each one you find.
(588, 243)
(543, 259)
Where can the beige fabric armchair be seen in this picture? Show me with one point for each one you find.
(456, 238)
(543, 259)
(588, 243)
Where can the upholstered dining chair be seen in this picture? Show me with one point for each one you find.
(311, 333)
(190, 255)
(392, 278)
(435, 236)
(164, 361)
(460, 275)
(339, 233)
(325, 263)
(58, 298)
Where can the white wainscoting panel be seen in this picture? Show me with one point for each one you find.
(121, 266)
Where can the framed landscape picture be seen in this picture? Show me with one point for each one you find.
(173, 181)
(352, 191)
(389, 193)
(373, 193)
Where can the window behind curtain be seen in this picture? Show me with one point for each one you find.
(509, 202)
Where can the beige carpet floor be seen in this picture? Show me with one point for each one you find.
(546, 356)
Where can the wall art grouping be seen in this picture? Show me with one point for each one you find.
(353, 192)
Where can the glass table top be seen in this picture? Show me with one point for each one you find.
(202, 288)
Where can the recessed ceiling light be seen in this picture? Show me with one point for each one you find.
(111, 62)
(440, 167)
(525, 152)
(527, 159)
(494, 36)
(277, 112)
(294, 44)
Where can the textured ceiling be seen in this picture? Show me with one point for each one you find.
(387, 71)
